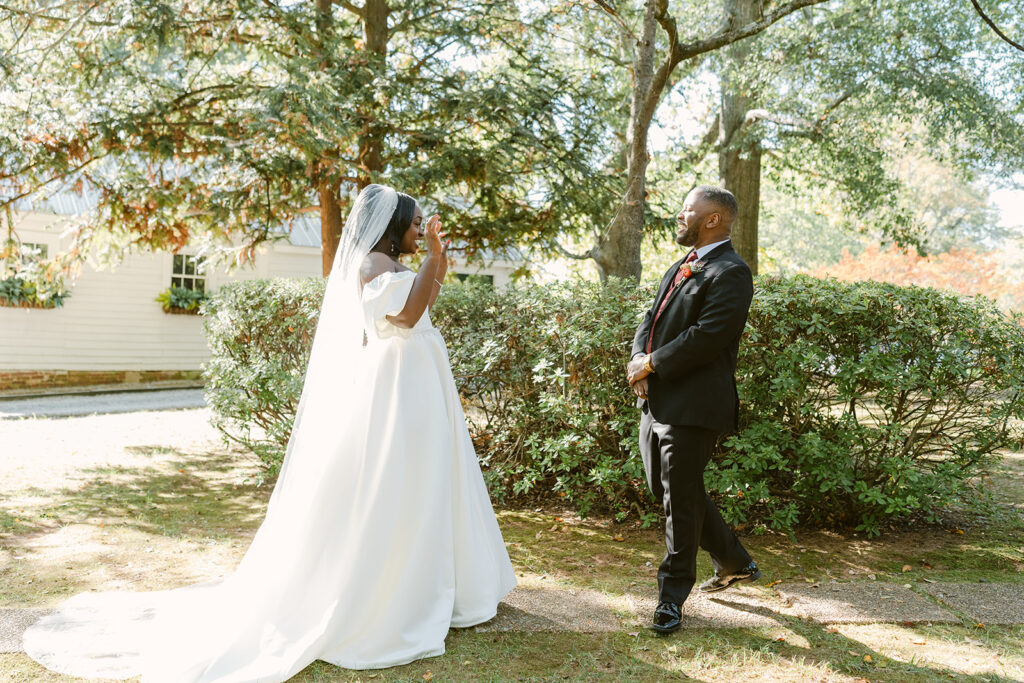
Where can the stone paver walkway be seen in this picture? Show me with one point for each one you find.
(13, 623)
(532, 608)
(986, 603)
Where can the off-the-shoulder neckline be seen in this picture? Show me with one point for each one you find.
(388, 272)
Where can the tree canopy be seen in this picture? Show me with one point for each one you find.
(223, 119)
(219, 123)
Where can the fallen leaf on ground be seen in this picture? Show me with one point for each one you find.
(634, 633)
(867, 658)
(907, 568)
(780, 639)
(618, 538)
(428, 676)
(920, 642)
(776, 582)
(979, 626)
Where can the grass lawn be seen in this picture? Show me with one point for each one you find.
(159, 510)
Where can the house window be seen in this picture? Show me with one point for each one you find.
(487, 280)
(32, 251)
(187, 273)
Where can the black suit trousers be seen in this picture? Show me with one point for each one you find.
(674, 458)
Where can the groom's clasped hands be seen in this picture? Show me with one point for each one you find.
(636, 374)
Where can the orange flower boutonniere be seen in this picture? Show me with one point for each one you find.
(689, 269)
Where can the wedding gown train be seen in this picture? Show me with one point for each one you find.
(364, 560)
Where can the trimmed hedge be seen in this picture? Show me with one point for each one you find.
(868, 402)
(862, 403)
(260, 333)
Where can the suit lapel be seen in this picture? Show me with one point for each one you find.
(666, 282)
(714, 253)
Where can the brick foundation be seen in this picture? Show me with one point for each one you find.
(47, 379)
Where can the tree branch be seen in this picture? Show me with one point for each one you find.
(677, 52)
(995, 28)
(610, 11)
(351, 7)
(706, 143)
(755, 115)
(589, 254)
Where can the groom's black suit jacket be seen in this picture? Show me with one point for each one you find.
(696, 341)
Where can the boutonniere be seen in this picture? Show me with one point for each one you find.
(689, 269)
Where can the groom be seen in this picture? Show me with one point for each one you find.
(683, 372)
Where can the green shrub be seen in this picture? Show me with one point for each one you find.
(867, 402)
(541, 370)
(179, 298)
(861, 402)
(260, 333)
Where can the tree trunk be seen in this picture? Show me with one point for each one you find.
(375, 34)
(739, 158)
(617, 253)
(330, 223)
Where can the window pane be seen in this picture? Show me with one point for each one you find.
(200, 285)
(178, 267)
(190, 265)
(175, 282)
(32, 249)
(188, 284)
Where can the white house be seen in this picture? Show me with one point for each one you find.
(111, 330)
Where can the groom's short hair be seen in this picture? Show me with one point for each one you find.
(724, 200)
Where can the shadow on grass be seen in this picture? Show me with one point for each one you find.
(828, 647)
(185, 494)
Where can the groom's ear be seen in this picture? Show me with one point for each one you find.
(714, 220)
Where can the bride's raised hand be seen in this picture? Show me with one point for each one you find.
(433, 235)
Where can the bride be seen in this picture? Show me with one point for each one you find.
(379, 534)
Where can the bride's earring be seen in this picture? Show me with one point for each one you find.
(395, 251)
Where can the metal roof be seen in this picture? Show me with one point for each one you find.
(304, 232)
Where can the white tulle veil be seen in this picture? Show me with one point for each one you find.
(338, 342)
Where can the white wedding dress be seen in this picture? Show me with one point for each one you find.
(365, 559)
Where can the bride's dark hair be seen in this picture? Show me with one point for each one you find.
(399, 223)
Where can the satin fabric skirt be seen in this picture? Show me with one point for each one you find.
(368, 554)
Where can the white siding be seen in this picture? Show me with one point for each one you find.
(111, 321)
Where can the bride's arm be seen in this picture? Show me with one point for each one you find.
(423, 286)
(442, 270)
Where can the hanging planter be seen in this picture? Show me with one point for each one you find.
(17, 292)
(181, 301)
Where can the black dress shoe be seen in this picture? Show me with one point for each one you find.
(720, 583)
(668, 617)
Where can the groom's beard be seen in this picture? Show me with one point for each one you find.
(689, 236)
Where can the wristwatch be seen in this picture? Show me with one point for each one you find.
(647, 365)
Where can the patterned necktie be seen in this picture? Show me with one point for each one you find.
(692, 256)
